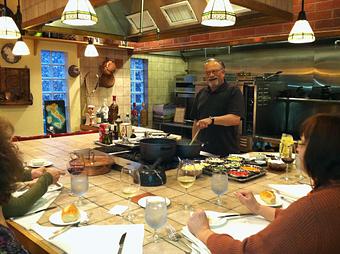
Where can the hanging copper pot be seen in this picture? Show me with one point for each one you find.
(107, 69)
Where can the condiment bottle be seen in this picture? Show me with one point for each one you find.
(118, 123)
(113, 110)
(105, 111)
(134, 115)
(143, 116)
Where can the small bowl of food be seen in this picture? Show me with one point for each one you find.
(276, 165)
(38, 162)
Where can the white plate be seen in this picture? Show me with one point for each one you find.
(56, 219)
(214, 221)
(278, 202)
(45, 164)
(55, 187)
(142, 201)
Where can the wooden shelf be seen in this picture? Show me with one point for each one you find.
(80, 44)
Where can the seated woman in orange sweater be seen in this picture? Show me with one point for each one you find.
(309, 225)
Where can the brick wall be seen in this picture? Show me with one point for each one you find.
(323, 15)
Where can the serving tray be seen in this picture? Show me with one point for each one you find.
(208, 172)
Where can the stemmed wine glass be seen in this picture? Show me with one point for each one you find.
(186, 176)
(130, 180)
(286, 155)
(219, 183)
(155, 214)
(79, 177)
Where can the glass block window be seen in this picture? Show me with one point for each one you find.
(54, 78)
(138, 77)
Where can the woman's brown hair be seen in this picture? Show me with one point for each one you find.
(322, 154)
(11, 167)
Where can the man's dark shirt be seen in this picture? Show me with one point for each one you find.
(226, 99)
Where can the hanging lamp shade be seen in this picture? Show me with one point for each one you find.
(218, 13)
(79, 13)
(90, 50)
(20, 48)
(8, 28)
(301, 32)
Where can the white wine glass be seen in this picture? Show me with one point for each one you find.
(287, 156)
(155, 214)
(186, 176)
(130, 180)
(219, 183)
(79, 176)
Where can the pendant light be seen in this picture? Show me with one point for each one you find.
(8, 28)
(218, 13)
(91, 50)
(79, 13)
(20, 47)
(301, 32)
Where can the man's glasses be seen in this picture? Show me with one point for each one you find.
(212, 72)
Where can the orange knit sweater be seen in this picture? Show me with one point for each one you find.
(309, 225)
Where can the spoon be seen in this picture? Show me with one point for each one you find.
(194, 138)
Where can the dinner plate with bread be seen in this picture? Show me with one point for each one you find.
(67, 216)
(269, 198)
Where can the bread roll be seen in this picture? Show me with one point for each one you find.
(268, 197)
(70, 213)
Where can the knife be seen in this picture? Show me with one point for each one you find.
(236, 215)
(38, 211)
(64, 229)
(121, 243)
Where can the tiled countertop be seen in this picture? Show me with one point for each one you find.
(104, 192)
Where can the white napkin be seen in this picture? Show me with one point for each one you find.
(45, 201)
(103, 239)
(292, 191)
(237, 227)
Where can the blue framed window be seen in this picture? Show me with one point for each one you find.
(54, 79)
(138, 77)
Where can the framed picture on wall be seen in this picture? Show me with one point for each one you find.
(55, 116)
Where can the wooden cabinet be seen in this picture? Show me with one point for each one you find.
(15, 86)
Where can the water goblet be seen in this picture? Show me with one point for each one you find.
(219, 183)
(79, 176)
(155, 214)
(186, 176)
(130, 180)
(298, 166)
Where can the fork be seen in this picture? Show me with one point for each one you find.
(178, 237)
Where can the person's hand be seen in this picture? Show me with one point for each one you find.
(37, 172)
(247, 198)
(56, 173)
(203, 123)
(198, 225)
(31, 183)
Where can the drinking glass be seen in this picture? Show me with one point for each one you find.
(286, 155)
(186, 176)
(298, 166)
(79, 177)
(219, 183)
(155, 214)
(130, 180)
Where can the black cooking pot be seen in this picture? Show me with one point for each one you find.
(151, 175)
(153, 148)
(185, 150)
